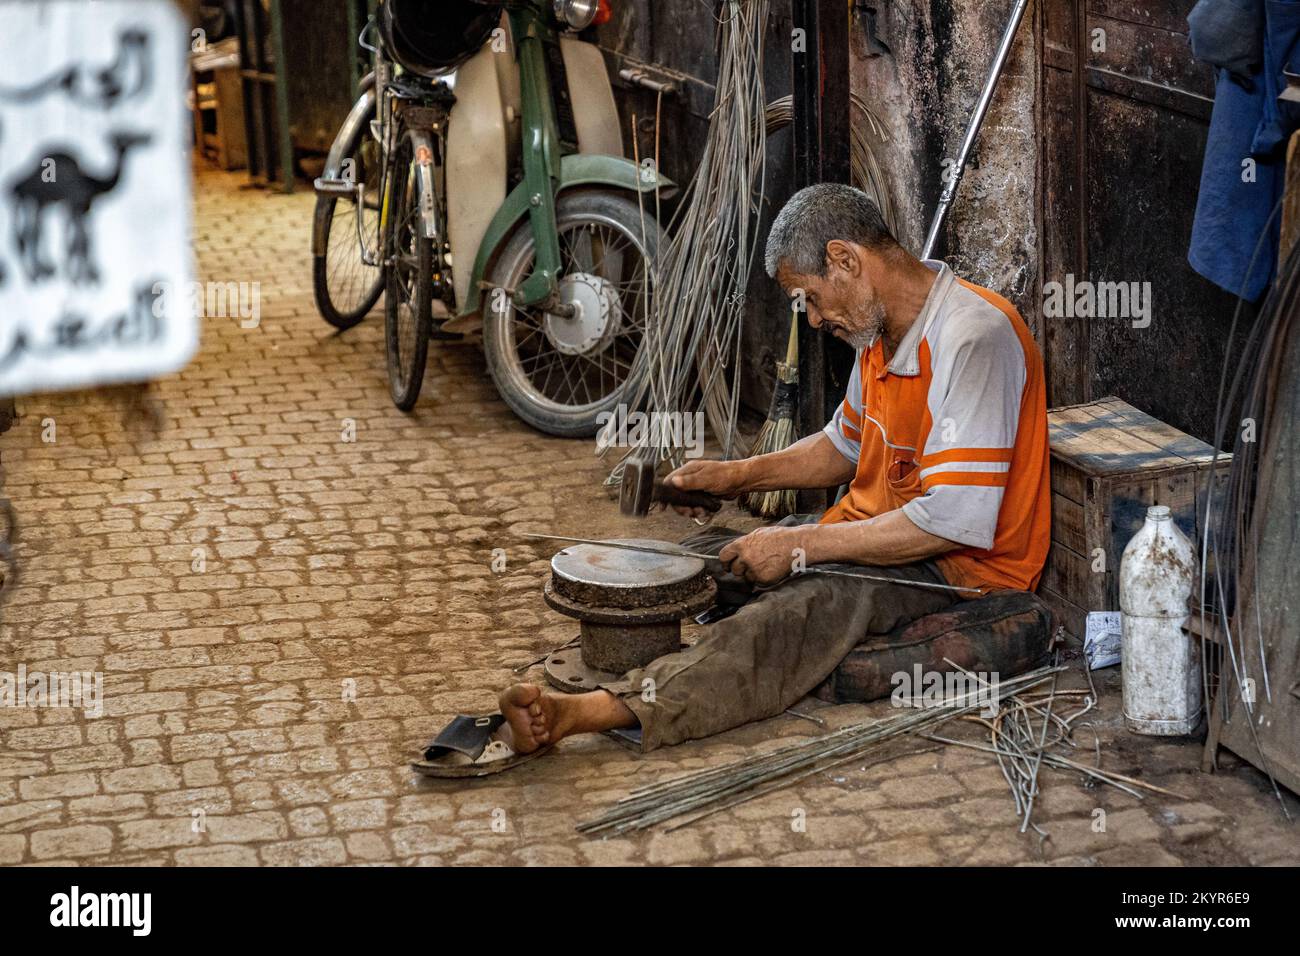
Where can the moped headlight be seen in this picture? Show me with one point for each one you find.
(580, 14)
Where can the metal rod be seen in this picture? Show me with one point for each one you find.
(676, 552)
(620, 546)
(973, 130)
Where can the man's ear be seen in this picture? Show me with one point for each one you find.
(844, 256)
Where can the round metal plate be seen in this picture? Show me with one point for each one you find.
(565, 671)
(590, 574)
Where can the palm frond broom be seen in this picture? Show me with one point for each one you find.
(778, 431)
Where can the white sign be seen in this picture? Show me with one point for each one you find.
(1104, 638)
(94, 194)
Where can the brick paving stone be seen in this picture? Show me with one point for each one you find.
(283, 618)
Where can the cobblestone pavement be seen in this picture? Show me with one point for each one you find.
(281, 617)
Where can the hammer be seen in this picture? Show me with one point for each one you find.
(640, 488)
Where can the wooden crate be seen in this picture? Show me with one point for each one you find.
(1110, 461)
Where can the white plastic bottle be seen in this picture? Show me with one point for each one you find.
(1161, 664)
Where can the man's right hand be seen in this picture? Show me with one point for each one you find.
(726, 479)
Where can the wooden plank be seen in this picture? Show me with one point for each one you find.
(1070, 573)
(1067, 524)
(1068, 614)
(1172, 440)
(1170, 15)
(1067, 480)
(1136, 426)
(1100, 446)
(1290, 200)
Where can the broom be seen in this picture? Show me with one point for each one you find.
(778, 431)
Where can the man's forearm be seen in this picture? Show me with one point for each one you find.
(811, 462)
(887, 539)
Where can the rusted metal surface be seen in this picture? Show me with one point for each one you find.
(593, 576)
(630, 605)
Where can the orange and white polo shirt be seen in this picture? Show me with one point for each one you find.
(953, 430)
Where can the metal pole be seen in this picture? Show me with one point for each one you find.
(973, 130)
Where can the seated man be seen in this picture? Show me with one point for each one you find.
(943, 433)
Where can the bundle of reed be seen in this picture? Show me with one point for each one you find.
(778, 431)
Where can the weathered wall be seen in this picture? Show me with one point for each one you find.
(924, 89)
(922, 86)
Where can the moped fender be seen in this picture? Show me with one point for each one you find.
(577, 169)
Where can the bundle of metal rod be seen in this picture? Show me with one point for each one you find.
(705, 792)
(1021, 750)
(868, 175)
(1247, 407)
(697, 293)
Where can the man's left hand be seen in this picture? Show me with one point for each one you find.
(764, 556)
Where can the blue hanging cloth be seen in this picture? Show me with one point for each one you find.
(1251, 43)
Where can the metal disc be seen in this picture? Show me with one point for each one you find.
(565, 671)
(590, 574)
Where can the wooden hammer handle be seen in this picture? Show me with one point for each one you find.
(685, 499)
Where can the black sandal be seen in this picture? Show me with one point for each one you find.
(470, 747)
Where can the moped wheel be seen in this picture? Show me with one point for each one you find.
(408, 296)
(560, 374)
(346, 287)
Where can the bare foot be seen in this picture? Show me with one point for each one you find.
(531, 716)
(538, 720)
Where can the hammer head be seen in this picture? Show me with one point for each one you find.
(636, 491)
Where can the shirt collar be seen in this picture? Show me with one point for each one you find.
(907, 357)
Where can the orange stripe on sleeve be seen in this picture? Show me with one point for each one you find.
(967, 454)
(851, 414)
(986, 479)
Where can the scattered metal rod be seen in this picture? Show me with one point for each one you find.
(1056, 761)
(563, 647)
(655, 803)
(802, 716)
(1042, 742)
(755, 794)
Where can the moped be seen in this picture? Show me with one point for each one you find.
(481, 174)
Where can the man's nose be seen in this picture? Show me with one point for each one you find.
(814, 319)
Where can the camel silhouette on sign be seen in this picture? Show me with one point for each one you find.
(77, 191)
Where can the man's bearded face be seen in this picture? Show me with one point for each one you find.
(848, 308)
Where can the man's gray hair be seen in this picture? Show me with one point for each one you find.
(813, 217)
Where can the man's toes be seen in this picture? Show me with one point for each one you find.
(521, 695)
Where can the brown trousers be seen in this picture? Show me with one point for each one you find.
(776, 649)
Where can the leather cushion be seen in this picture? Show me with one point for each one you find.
(1007, 633)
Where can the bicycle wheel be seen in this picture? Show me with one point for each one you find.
(408, 296)
(346, 287)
